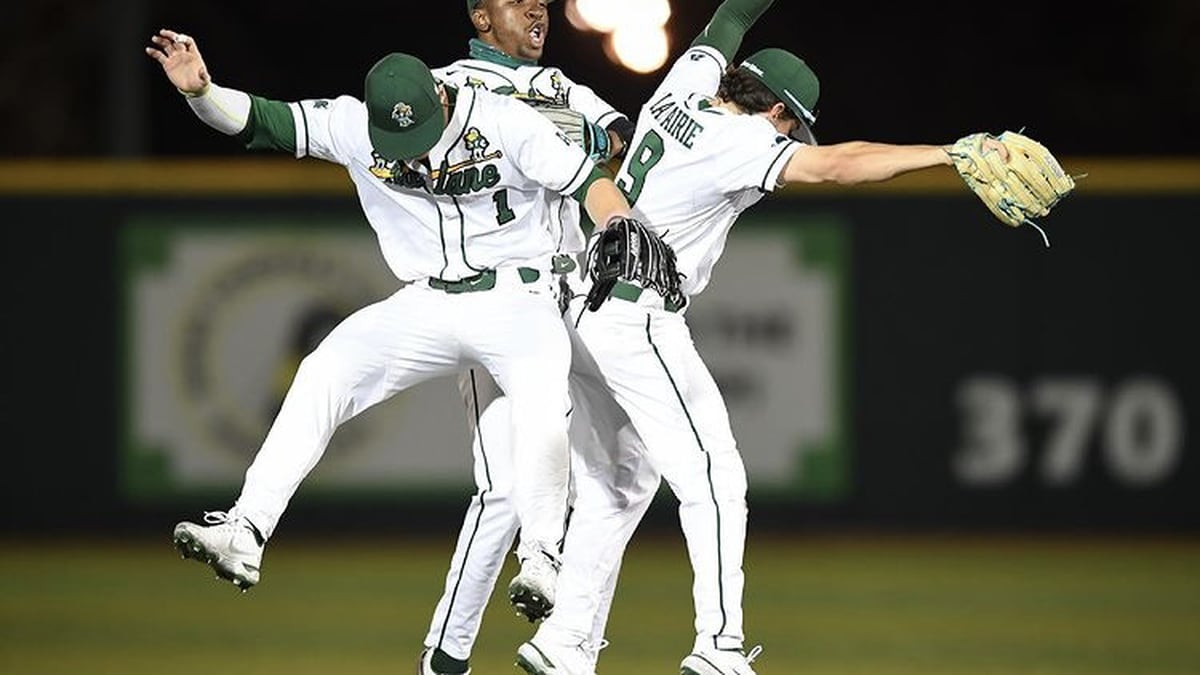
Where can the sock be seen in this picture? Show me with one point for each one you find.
(444, 663)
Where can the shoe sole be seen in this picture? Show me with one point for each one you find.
(529, 667)
(532, 665)
(698, 665)
(190, 547)
(529, 603)
(686, 669)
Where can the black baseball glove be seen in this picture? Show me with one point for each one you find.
(627, 250)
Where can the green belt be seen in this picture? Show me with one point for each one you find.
(486, 280)
(624, 290)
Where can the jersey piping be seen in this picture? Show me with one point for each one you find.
(787, 148)
(487, 472)
(712, 490)
(304, 120)
(452, 93)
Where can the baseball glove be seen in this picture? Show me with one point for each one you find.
(1026, 186)
(587, 135)
(628, 251)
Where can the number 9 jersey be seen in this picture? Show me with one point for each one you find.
(679, 130)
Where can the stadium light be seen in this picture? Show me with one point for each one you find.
(637, 39)
(642, 49)
(602, 15)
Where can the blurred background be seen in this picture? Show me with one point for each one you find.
(1116, 77)
(968, 453)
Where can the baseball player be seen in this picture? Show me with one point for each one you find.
(710, 143)
(503, 58)
(456, 183)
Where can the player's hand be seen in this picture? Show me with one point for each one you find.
(995, 145)
(990, 144)
(181, 61)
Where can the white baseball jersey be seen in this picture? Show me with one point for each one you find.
(691, 171)
(490, 522)
(542, 83)
(478, 202)
(678, 130)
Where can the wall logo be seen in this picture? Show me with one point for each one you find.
(242, 333)
(220, 313)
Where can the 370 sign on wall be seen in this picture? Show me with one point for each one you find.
(1053, 427)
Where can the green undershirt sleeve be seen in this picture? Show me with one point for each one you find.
(729, 24)
(270, 126)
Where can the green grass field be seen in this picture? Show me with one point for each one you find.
(828, 605)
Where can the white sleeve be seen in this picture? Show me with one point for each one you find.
(755, 156)
(226, 110)
(697, 71)
(584, 100)
(325, 128)
(543, 153)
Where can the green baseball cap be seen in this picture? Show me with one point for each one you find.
(789, 78)
(404, 112)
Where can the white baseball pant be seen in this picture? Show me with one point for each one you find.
(490, 524)
(646, 357)
(514, 331)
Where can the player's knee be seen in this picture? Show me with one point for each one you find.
(729, 476)
(327, 373)
(542, 406)
(315, 367)
(703, 477)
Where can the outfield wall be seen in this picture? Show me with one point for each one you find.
(891, 356)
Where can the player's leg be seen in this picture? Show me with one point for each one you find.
(638, 495)
(374, 353)
(712, 498)
(487, 534)
(608, 515)
(650, 361)
(599, 532)
(613, 485)
(521, 339)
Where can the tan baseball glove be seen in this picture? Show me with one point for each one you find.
(1024, 187)
(588, 135)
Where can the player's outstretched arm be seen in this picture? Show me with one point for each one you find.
(259, 123)
(856, 162)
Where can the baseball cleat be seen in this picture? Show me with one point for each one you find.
(543, 657)
(230, 545)
(719, 662)
(425, 665)
(531, 592)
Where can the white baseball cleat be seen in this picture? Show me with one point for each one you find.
(531, 592)
(540, 656)
(719, 662)
(228, 543)
(425, 665)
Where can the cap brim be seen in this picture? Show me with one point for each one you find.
(410, 143)
(803, 133)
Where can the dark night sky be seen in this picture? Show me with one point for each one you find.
(1116, 78)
